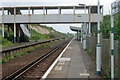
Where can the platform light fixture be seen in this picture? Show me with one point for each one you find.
(84, 32)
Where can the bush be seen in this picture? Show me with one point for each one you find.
(11, 57)
(22, 53)
(29, 51)
(15, 55)
(4, 60)
(0, 61)
(52, 35)
(4, 42)
(106, 27)
(108, 72)
(89, 51)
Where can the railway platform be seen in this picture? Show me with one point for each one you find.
(74, 63)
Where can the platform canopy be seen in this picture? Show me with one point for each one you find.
(75, 28)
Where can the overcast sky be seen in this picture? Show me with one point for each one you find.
(60, 27)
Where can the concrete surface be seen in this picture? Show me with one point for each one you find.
(75, 63)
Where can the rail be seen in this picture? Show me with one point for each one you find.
(21, 71)
(25, 46)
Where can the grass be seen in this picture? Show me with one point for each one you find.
(108, 72)
(89, 50)
(38, 36)
(35, 36)
(25, 51)
(4, 42)
(7, 58)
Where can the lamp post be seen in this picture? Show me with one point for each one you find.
(84, 36)
(98, 47)
(81, 34)
(84, 31)
(77, 35)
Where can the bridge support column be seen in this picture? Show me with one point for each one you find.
(32, 11)
(74, 10)
(81, 36)
(59, 10)
(89, 31)
(84, 33)
(14, 32)
(77, 35)
(29, 30)
(8, 32)
(28, 10)
(44, 10)
(14, 25)
(98, 47)
(19, 32)
(3, 22)
(8, 12)
(2, 29)
(84, 41)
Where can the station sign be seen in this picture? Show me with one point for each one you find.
(115, 6)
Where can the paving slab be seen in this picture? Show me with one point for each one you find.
(74, 63)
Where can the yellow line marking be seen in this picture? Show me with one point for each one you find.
(84, 74)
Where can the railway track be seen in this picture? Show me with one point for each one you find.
(32, 68)
(13, 49)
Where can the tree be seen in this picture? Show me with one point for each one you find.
(106, 27)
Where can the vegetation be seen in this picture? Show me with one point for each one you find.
(35, 36)
(106, 31)
(38, 36)
(106, 27)
(4, 41)
(108, 75)
(26, 51)
(53, 34)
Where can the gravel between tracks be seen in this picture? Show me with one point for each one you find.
(18, 62)
(38, 70)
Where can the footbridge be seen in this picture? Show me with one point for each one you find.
(14, 16)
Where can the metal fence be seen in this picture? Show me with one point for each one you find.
(106, 55)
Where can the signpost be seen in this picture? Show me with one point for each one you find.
(115, 8)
